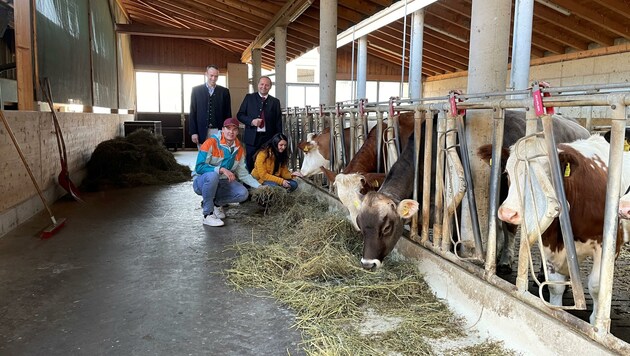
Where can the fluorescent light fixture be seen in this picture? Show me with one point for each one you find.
(556, 7)
(382, 18)
(300, 10)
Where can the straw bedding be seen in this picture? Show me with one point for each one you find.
(308, 258)
(135, 160)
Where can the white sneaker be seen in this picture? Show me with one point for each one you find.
(218, 212)
(212, 220)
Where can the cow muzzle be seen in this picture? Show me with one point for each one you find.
(370, 263)
(509, 216)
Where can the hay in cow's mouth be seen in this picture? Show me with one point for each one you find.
(308, 258)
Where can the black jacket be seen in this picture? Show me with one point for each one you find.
(250, 110)
(198, 118)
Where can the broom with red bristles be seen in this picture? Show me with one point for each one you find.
(56, 223)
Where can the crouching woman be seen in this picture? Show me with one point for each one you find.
(271, 164)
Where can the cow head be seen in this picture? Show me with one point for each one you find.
(530, 188)
(380, 220)
(313, 158)
(348, 188)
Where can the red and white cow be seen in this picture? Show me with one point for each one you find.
(585, 166)
(357, 178)
(316, 150)
(382, 214)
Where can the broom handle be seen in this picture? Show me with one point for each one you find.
(28, 169)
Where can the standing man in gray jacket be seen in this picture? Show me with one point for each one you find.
(210, 105)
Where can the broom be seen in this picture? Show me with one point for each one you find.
(56, 224)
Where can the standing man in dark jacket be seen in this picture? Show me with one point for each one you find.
(262, 116)
(210, 105)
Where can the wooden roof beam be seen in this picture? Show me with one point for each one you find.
(143, 30)
(287, 14)
(594, 17)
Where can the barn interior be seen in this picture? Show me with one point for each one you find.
(91, 52)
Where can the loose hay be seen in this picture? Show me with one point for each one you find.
(308, 258)
(138, 159)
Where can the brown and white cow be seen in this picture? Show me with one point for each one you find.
(585, 167)
(358, 177)
(565, 130)
(381, 214)
(316, 150)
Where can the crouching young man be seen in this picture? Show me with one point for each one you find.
(219, 171)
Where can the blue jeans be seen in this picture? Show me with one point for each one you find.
(217, 191)
(292, 184)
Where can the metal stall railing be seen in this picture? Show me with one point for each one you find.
(449, 183)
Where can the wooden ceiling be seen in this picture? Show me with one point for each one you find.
(234, 24)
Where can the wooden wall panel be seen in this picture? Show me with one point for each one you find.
(177, 54)
(33, 130)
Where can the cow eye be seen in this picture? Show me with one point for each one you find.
(387, 229)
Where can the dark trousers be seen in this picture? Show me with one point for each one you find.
(249, 157)
(261, 138)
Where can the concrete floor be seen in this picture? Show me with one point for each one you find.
(133, 272)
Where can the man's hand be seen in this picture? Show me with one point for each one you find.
(297, 174)
(228, 173)
(256, 122)
(285, 183)
(195, 139)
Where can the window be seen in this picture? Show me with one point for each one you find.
(148, 97)
(168, 92)
(190, 81)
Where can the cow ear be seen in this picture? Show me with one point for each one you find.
(330, 175)
(568, 163)
(485, 153)
(407, 208)
(302, 145)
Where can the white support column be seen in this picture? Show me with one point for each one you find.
(281, 64)
(362, 69)
(415, 60)
(521, 44)
(256, 66)
(487, 72)
(327, 51)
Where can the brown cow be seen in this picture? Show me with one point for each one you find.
(381, 214)
(358, 177)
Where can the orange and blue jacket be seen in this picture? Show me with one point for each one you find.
(215, 154)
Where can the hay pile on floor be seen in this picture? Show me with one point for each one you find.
(138, 159)
(308, 258)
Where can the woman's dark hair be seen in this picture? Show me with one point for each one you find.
(271, 147)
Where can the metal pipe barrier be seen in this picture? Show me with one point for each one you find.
(616, 96)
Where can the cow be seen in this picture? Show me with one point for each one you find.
(382, 213)
(565, 130)
(358, 177)
(584, 164)
(316, 150)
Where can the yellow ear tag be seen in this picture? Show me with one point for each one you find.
(405, 210)
(490, 163)
(626, 145)
(356, 204)
(375, 183)
(567, 170)
(306, 149)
